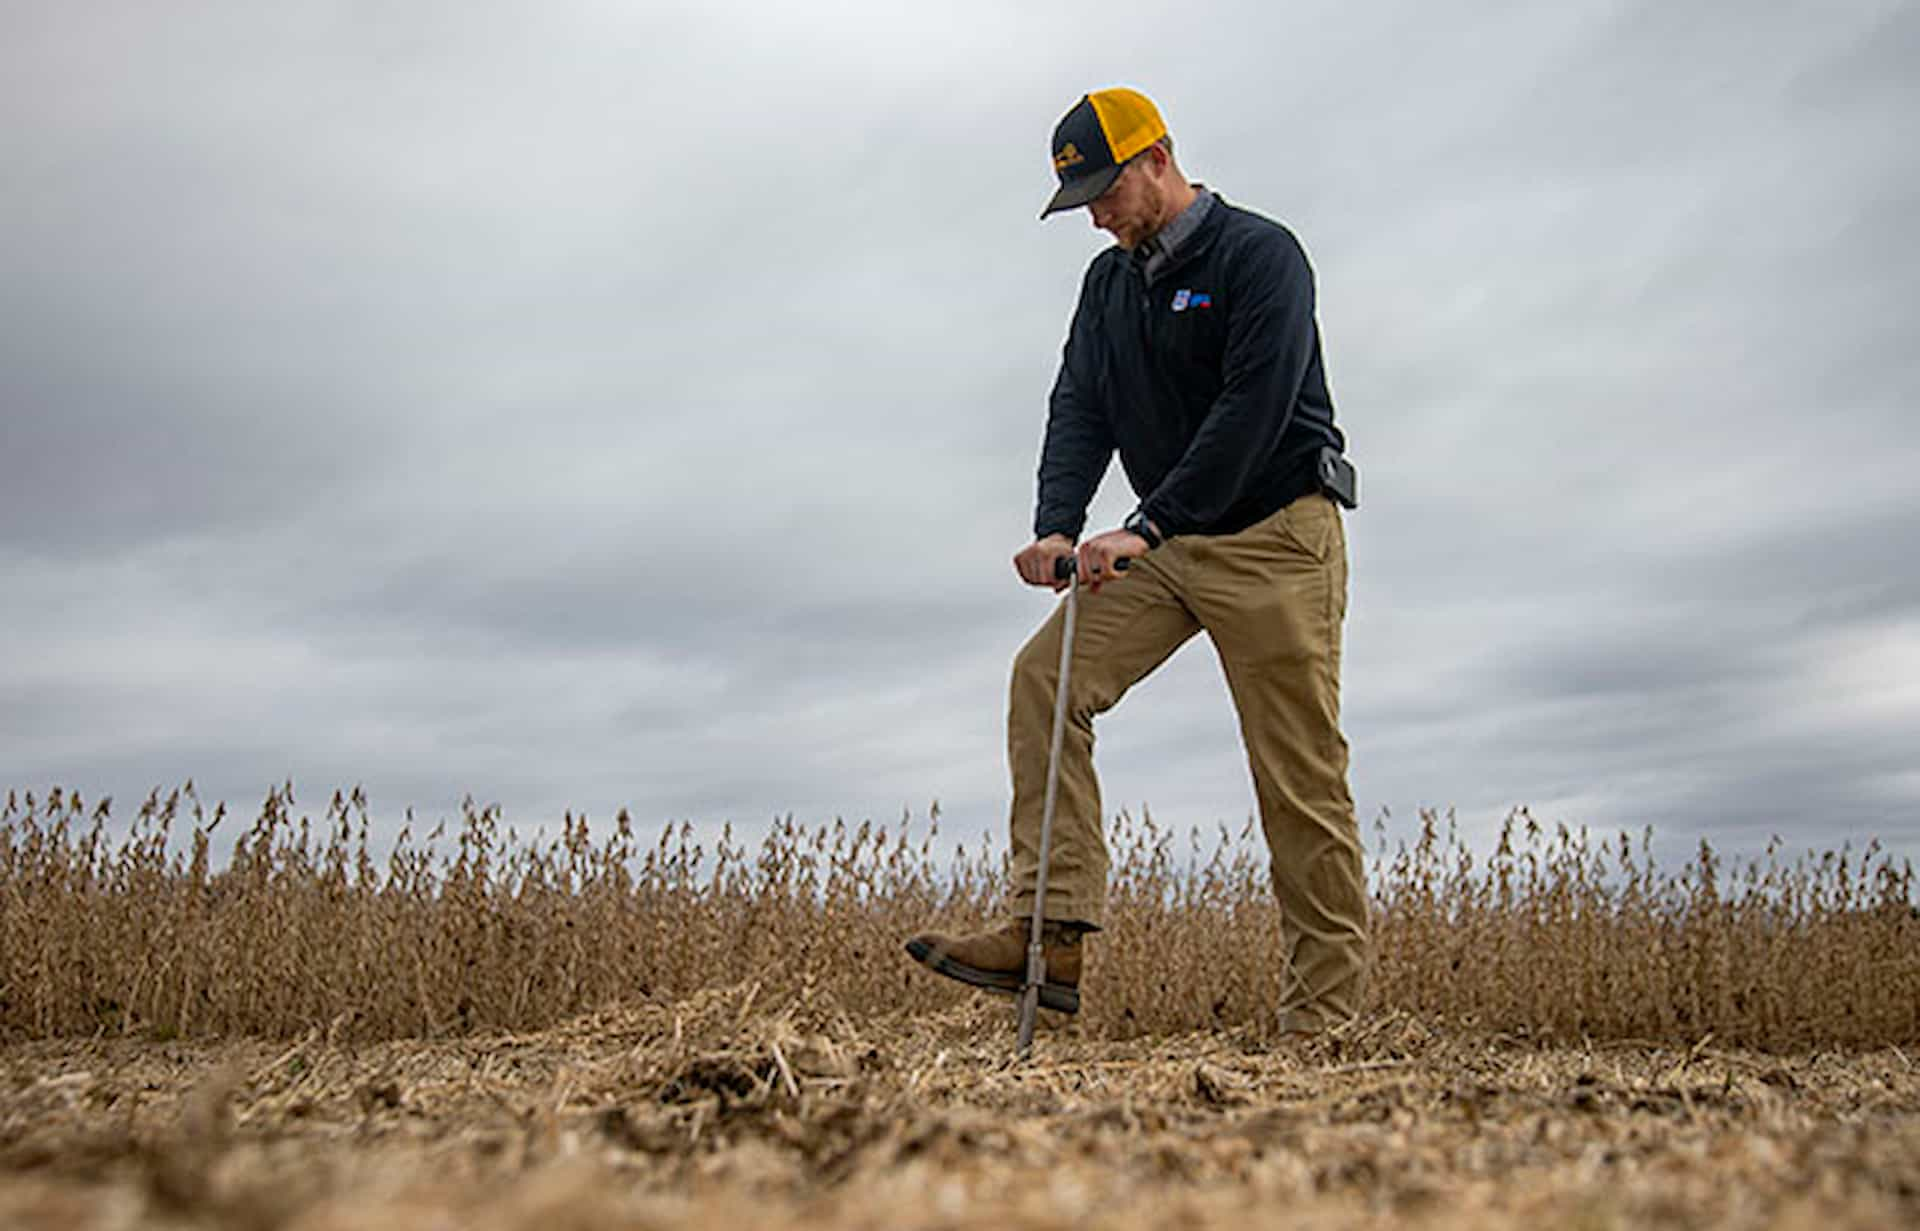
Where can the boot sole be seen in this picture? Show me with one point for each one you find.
(1056, 996)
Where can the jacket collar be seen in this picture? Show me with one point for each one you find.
(1189, 234)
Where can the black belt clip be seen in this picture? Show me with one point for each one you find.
(1338, 478)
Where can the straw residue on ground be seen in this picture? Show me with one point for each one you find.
(724, 1109)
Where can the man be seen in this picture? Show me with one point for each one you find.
(1194, 353)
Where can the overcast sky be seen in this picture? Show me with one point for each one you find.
(599, 405)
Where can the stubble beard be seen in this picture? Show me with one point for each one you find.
(1153, 198)
(1153, 208)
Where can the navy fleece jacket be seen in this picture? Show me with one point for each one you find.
(1207, 380)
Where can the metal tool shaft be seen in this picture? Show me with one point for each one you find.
(1036, 953)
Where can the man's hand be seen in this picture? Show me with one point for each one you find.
(1100, 555)
(1035, 561)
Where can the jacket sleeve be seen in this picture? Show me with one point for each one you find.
(1269, 347)
(1079, 440)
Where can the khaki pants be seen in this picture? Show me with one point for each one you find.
(1272, 599)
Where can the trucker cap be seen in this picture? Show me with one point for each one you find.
(1095, 139)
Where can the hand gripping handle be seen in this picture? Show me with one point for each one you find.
(1064, 566)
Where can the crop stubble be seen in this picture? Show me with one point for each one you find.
(721, 1110)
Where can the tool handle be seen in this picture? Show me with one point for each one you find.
(1063, 566)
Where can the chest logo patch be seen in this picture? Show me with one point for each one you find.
(1184, 299)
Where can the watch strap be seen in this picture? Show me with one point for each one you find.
(1138, 524)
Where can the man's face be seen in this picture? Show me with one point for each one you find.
(1130, 208)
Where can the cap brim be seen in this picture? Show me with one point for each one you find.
(1082, 190)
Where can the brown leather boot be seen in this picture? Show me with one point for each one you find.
(996, 959)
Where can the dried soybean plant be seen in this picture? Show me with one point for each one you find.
(131, 928)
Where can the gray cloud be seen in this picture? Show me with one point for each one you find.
(587, 408)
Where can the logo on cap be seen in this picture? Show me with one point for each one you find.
(1069, 156)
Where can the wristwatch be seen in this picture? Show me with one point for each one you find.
(1138, 524)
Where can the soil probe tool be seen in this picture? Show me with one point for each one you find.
(1067, 569)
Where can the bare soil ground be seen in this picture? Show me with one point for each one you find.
(724, 1111)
